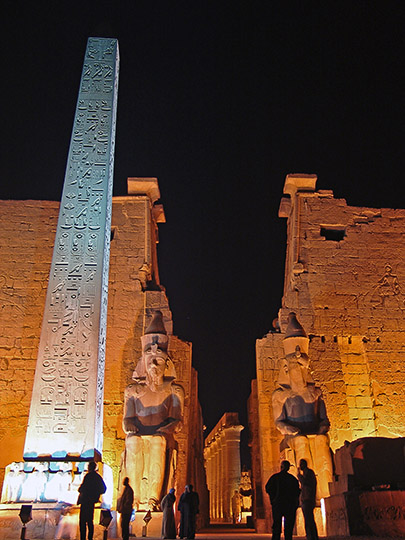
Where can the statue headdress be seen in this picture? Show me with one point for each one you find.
(295, 335)
(155, 334)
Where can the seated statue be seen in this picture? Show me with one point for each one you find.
(153, 411)
(299, 409)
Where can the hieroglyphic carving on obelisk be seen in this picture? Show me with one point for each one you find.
(66, 412)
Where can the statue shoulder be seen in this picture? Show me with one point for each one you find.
(135, 390)
(178, 391)
(315, 391)
(280, 395)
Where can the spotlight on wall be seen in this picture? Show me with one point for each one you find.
(25, 516)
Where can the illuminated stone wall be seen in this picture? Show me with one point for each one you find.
(222, 463)
(27, 230)
(345, 279)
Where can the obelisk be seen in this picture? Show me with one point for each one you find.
(66, 414)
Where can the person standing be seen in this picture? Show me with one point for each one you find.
(307, 480)
(168, 521)
(125, 506)
(236, 506)
(90, 491)
(189, 508)
(283, 490)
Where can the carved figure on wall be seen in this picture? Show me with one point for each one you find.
(388, 291)
(299, 409)
(153, 412)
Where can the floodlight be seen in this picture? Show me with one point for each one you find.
(105, 518)
(25, 516)
(26, 513)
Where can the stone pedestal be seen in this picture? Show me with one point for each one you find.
(344, 516)
(319, 520)
(47, 522)
(51, 483)
(383, 512)
(154, 527)
(378, 513)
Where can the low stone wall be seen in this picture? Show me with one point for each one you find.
(384, 512)
(367, 513)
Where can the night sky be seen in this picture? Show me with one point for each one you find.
(219, 100)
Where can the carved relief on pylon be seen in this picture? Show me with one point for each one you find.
(387, 290)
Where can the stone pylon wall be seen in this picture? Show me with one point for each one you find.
(27, 230)
(27, 235)
(345, 279)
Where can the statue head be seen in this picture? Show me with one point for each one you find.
(155, 363)
(294, 370)
(155, 360)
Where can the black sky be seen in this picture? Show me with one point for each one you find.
(219, 100)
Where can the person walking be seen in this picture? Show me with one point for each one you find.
(90, 491)
(307, 480)
(189, 508)
(168, 521)
(125, 504)
(283, 490)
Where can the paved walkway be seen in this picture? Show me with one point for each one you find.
(227, 532)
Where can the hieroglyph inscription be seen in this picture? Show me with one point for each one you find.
(66, 406)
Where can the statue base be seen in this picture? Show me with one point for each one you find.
(319, 520)
(51, 489)
(49, 522)
(51, 482)
(153, 529)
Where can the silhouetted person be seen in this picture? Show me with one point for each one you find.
(307, 481)
(236, 506)
(90, 491)
(168, 521)
(284, 492)
(189, 508)
(125, 506)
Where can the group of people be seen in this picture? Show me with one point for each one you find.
(189, 508)
(93, 487)
(286, 494)
(285, 491)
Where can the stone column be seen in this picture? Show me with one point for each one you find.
(233, 469)
(217, 480)
(223, 465)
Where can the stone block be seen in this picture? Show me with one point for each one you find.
(383, 512)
